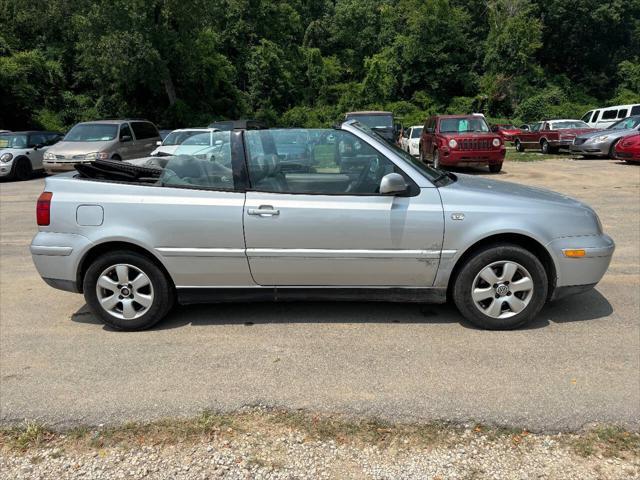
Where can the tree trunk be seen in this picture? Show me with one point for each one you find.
(169, 88)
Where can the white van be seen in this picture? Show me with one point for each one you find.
(603, 117)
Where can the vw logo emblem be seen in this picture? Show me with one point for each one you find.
(502, 290)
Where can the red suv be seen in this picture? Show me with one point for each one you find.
(449, 140)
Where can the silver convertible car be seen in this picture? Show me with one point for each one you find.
(322, 214)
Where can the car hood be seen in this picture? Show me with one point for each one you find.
(495, 206)
(69, 149)
(498, 191)
(609, 132)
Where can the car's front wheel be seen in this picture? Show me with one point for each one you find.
(501, 287)
(495, 168)
(127, 291)
(519, 146)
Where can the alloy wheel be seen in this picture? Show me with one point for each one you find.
(124, 291)
(502, 289)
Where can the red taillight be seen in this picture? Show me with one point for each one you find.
(43, 209)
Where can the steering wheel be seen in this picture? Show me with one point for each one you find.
(371, 167)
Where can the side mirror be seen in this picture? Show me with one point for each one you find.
(159, 143)
(393, 184)
(38, 146)
(126, 138)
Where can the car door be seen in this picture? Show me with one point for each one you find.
(146, 136)
(126, 146)
(531, 137)
(327, 225)
(37, 147)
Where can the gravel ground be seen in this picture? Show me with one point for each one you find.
(262, 443)
(291, 456)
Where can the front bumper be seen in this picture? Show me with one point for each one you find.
(467, 157)
(583, 271)
(57, 258)
(591, 148)
(56, 167)
(5, 168)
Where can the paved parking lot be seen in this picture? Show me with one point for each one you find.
(579, 363)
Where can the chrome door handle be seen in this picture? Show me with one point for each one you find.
(263, 211)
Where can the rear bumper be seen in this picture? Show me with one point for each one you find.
(57, 258)
(466, 157)
(583, 271)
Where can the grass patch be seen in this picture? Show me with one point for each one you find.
(607, 441)
(304, 427)
(532, 156)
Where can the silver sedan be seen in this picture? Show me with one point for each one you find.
(603, 142)
(331, 214)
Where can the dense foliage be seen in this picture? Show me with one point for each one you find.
(305, 62)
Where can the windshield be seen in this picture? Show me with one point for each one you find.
(179, 137)
(13, 141)
(416, 132)
(568, 124)
(92, 132)
(373, 121)
(432, 174)
(459, 125)
(626, 124)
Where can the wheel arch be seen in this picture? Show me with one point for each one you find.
(110, 246)
(519, 239)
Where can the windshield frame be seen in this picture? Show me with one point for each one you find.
(622, 120)
(14, 135)
(427, 172)
(96, 124)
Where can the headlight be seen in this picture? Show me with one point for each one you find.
(49, 156)
(96, 156)
(496, 142)
(453, 143)
(601, 138)
(6, 157)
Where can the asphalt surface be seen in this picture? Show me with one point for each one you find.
(579, 363)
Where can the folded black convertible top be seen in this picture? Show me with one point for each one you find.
(117, 170)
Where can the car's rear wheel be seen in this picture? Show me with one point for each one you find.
(519, 146)
(22, 169)
(127, 291)
(501, 287)
(116, 157)
(495, 168)
(544, 147)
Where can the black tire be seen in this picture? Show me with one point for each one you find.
(162, 289)
(519, 146)
(22, 169)
(466, 276)
(612, 149)
(544, 147)
(495, 168)
(116, 158)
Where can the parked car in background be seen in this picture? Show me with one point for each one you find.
(410, 140)
(379, 121)
(603, 142)
(551, 135)
(245, 124)
(102, 140)
(628, 149)
(21, 153)
(389, 229)
(461, 140)
(604, 117)
(187, 141)
(164, 133)
(507, 131)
